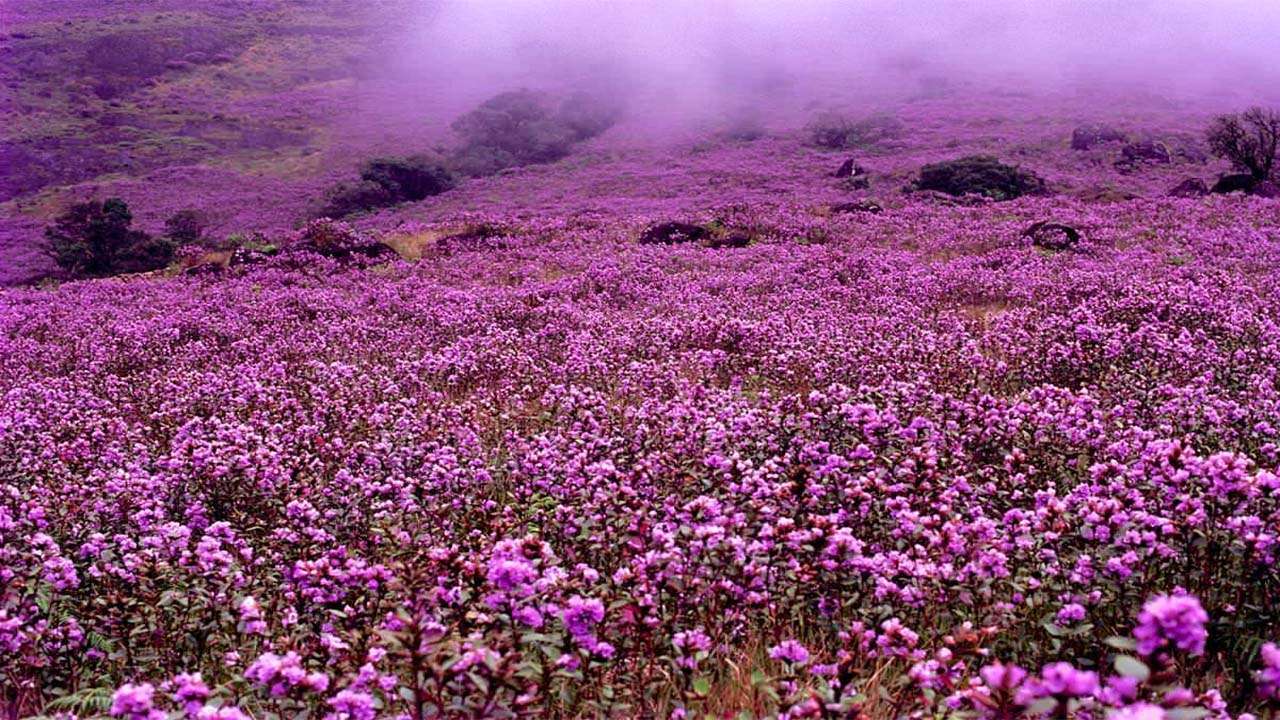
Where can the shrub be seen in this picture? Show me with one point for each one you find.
(517, 128)
(336, 239)
(838, 132)
(588, 115)
(979, 175)
(482, 160)
(353, 197)
(1249, 140)
(387, 181)
(94, 239)
(408, 178)
(186, 226)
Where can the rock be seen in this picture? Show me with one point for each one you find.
(857, 182)
(673, 233)
(1147, 151)
(1191, 187)
(850, 168)
(1086, 137)
(1052, 235)
(1240, 182)
(979, 175)
(857, 206)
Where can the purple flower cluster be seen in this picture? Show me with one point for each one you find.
(1171, 622)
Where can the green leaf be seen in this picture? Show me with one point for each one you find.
(1042, 706)
(1186, 713)
(1122, 643)
(1132, 667)
(702, 686)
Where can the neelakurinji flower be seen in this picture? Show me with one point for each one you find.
(1171, 622)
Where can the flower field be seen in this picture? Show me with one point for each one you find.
(889, 465)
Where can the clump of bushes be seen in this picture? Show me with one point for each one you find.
(1250, 141)
(836, 131)
(338, 240)
(979, 175)
(186, 227)
(520, 128)
(95, 239)
(386, 181)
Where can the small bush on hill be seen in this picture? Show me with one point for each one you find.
(1250, 141)
(518, 128)
(979, 175)
(588, 115)
(336, 239)
(838, 132)
(94, 239)
(186, 226)
(409, 178)
(386, 181)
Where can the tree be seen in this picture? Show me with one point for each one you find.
(94, 239)
(1249, 140)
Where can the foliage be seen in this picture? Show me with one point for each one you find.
(386, 181)
(94, 239)
(837, 131)
(408, 178)
(186, 227)
(1249, 140)
(979, 175)
(518, 128)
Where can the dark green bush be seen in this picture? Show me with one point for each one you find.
(94, 239)
(352, 197)
(839, 132)
(588, 115)
(1250, 141)
(979, 175)
(186, 226)
(409, 178)
(386, 181)
(518, 128)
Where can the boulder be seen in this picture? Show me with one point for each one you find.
(673, 233)
(850, 168)
(1053, 236)
(1191, 187)
(1087, 137)
(1144, 152)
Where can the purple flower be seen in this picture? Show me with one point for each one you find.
(351, 705)
(1062, 680)
(281, 673)
(999, 676)
(581, 615)
(790, 651)
(1171, 622)
(190, 692)
(135, 702)
(1268, 678)
(1138, 711)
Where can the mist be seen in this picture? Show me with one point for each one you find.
(680, 61)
